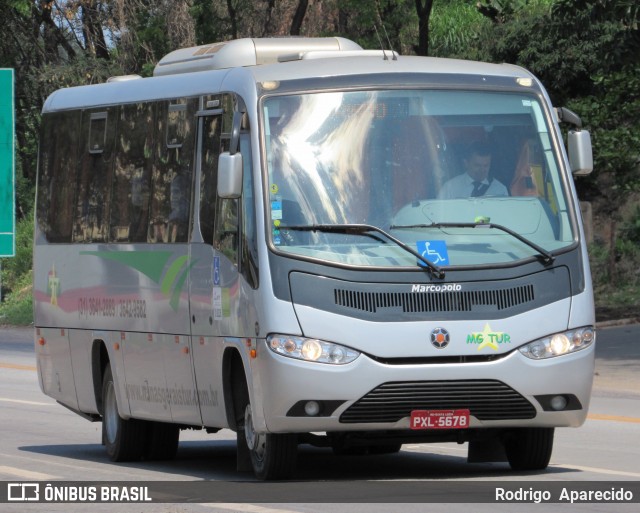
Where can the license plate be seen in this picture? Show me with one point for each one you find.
(439, 419)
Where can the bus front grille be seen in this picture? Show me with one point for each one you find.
(486, 399)
(452, 301)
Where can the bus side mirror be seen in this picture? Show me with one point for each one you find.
(580, 152)
(230, 175)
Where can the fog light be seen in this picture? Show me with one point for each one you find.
(558, 403)
(312, 408)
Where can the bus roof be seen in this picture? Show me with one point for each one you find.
(208, 82)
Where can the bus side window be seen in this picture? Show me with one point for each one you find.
(227, 217)
(172, 173)
(249, 243)
(211, 147)
(95, 175)
(57, 175)
(132, 174)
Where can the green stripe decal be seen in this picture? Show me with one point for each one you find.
(149, 263)
(175, 297)
(172, 273)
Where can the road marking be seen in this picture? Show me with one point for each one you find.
(16, 366)
(106, 468)
(20, 401)
(614, 418)
(247, 508)
(431, 447)
(25, 474)
(598, 470)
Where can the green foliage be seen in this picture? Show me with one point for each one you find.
(370, 24)
(612, 113)
(457, 29)
(206, 22)
(587, 53)
(630, 230)
(83, 70)
(151, 30)
(17, 309)
(14, 269)
(25, 188)
(618, 284)
(616, 272)
(500, 11)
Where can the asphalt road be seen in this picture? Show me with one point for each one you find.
(42, 441)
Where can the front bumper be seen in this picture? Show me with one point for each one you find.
(282, 384)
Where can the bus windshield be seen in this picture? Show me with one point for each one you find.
(451, 174)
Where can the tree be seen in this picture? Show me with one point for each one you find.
(298, 17)
(423, 10)
(587, 53)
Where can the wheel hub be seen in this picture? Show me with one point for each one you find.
(255, 441)
(111, 414)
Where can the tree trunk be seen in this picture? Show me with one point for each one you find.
(92, 30)
(613, 275)
(424, 13)
(52, 35)
(298, 17)
(232, 19)
(266, 28)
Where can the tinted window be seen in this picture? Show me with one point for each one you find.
(132, 174)
(94, 176)
(57, 174)
(172, 173)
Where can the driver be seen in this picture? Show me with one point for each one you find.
(475, 181)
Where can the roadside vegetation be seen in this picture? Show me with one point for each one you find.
(586, 52)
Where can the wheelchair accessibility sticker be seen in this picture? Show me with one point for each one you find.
(433, 250)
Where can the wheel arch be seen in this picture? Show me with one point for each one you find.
(232, 372)
(99, 362)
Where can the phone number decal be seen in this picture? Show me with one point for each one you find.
(109, 307)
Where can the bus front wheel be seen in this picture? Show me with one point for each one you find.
(529, 448)
(273, 455)
(123, 439)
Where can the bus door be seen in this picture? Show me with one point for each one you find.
(221, 278)
(175, 184)
(205, 276)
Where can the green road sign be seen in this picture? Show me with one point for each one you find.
(7, 170)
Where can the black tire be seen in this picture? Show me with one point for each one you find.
(123, 439)
(273, 455)
(162, 441)
(529, 448)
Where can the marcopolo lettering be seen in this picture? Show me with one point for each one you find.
(445, 287)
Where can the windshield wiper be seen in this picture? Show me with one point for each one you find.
(362, 229)
(546, 257)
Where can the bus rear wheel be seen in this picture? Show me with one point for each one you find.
(529, 448)
(124, 440)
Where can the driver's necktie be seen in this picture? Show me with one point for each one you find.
(479, 189)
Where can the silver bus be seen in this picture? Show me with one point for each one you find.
(306, 242)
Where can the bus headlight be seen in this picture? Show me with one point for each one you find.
(559, 343)
(311, 349)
